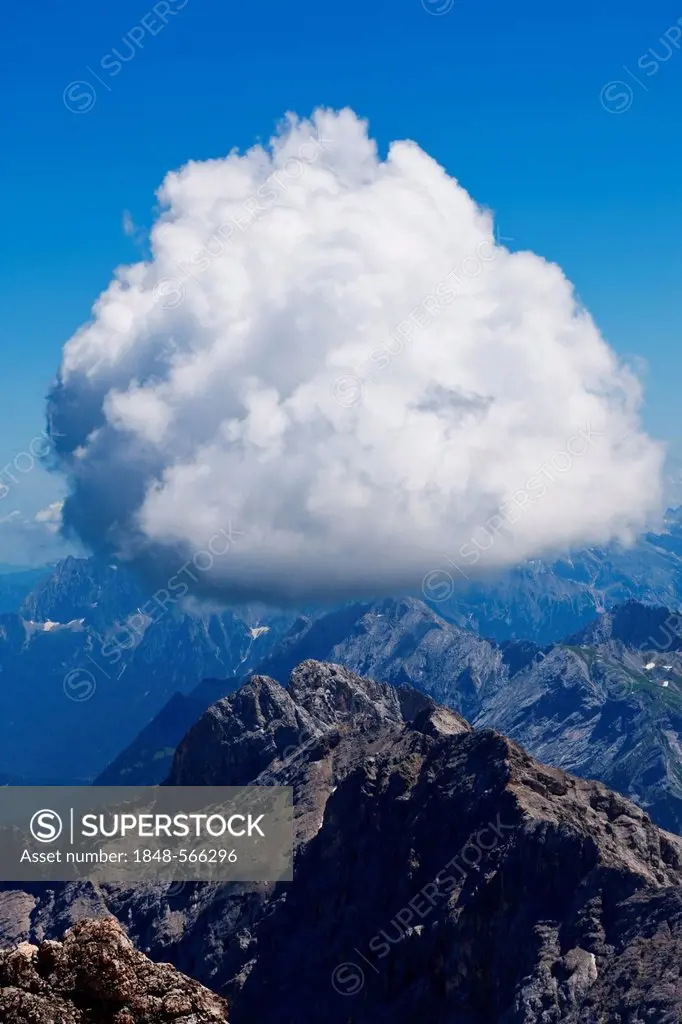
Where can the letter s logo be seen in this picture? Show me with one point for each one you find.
(46, 826)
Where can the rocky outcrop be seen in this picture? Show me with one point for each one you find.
(96, 976)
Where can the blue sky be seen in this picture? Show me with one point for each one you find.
(505, 96)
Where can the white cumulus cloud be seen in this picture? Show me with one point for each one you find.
(51, 516)
(330, 355)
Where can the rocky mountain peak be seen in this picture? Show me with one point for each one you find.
(330, 693)
(95, 976)
(636, 625)
(264, 722)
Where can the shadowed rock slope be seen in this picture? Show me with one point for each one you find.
(441, 874)
(96, 976)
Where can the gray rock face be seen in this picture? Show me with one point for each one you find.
(607, 704)
(96, 976)
(441, 874)
(264, 725)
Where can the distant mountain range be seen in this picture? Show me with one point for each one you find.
(82, 671)
(546, 601)
(92, 687)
